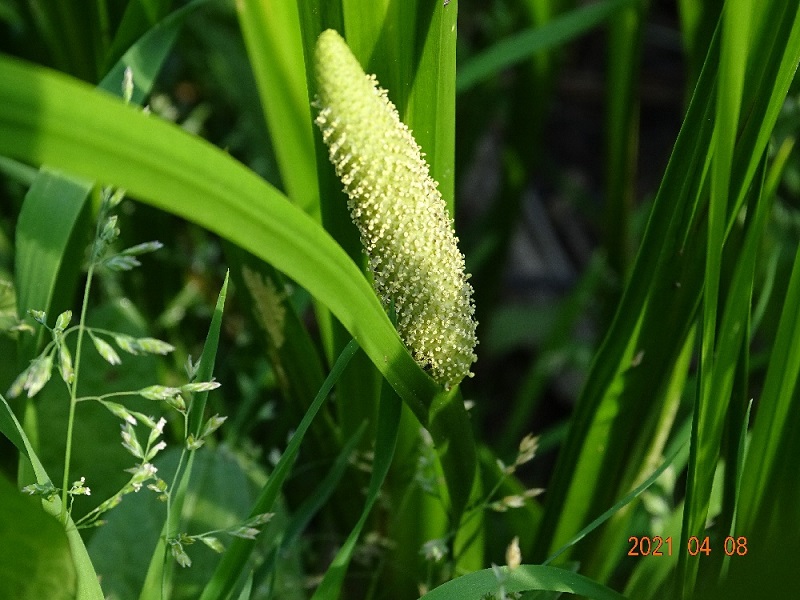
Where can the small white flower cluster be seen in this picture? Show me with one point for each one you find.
(403, 220)
(435, 550)
(79, 488)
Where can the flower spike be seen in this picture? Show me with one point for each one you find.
(401, 215)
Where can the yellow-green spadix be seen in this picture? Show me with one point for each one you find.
(403, 220)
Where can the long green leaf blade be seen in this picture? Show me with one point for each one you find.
(274, 45)
(48, 232)
(522, 579)
(712, 401)
(51, 119)
(161, 567)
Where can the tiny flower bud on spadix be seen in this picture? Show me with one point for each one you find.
(403, 220)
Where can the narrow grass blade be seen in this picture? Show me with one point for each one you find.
(235, 558)
(736, 482)
(388, 421)
(431, 109)
(773, 435)
(315, 17)
(205, 367)
(607, 549)
(161, 567)
(698, 21)
(315, 501)
(140, 17)
(247, 589)
(146, 56)
(521, 46)
(629, 497)
(72, 34)
(655, 314)
(12, 429)
(451, 430)
(622, 132)
(723, 328)
(522, 579)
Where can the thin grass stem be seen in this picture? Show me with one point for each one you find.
(73, 389)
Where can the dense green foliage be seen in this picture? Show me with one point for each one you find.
(230, 411)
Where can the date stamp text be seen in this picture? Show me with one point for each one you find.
(643, 545)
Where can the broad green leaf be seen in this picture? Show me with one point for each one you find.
(35, 559)
(219, 496)
(88, 584)
(522, 579)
